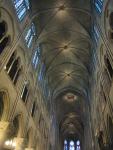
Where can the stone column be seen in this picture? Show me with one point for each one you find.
(19, 143)
(3, 132)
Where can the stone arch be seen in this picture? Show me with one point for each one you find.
(4, 36)
(13, 131)
(9, 34)
(9, 20)
(13, 128)
(17, 122)
(4, 98)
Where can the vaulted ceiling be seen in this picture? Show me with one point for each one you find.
(63, 28)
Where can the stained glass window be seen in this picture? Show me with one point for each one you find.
(21, 7)
(36, 56)
(78, 145)
(65, 145)
(71, 145)
(30, 35)
(99, 5)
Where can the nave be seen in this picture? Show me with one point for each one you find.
(56, 73)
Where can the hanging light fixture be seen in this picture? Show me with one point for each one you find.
(10, 143)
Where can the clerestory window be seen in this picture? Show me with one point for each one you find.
(36, 57)
(99, 5)
(30, 35)
(21, 7)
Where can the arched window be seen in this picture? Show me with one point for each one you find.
(30, 35)
(99, 5)
(36, 56)
(13, 68)
(4, 38)
(71, 145)
(10, 62)
(3, 43)
(65, 145)
(78, 145)
(21, 7)
(25, 92)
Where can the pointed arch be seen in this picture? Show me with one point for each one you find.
(4, 97)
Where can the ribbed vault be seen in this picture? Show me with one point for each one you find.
(63, 28)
